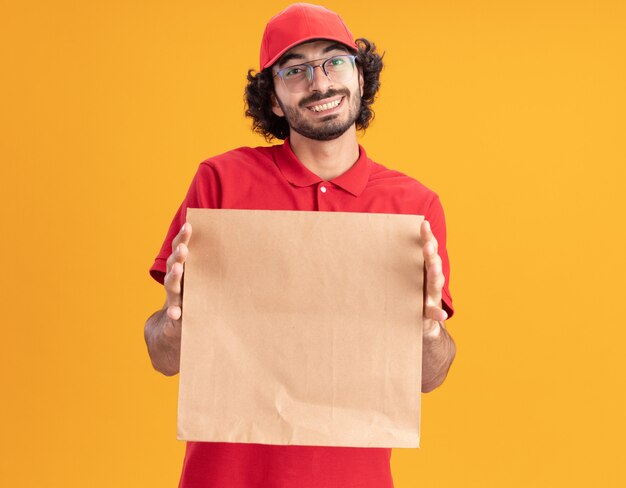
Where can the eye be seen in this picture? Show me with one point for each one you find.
(338, 61)
(293, 71)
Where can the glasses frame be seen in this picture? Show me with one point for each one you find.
(311, 69)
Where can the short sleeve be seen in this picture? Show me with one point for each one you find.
(437, 221)
(204, 192)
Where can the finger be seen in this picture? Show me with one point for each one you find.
(427, 234)
(430, 254)
(183, 236)
(435, 313)
(172, 283)
(172, 258)
(178, 237)
(174, 312)
(179, 246)
(434, 282)
(178, 256)
(433, 265)
(429, 246)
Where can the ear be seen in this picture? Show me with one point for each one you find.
(276, 107)
(361, 81)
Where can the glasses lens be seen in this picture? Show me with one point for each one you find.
(340, 68)
(296, 78)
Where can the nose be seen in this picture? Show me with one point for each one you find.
(320, 80)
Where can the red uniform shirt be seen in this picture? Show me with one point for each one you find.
(272, 178)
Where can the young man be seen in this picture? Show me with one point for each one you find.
(314, 90)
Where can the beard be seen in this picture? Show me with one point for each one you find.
(325, 128)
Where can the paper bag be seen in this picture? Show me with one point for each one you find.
(302, 328)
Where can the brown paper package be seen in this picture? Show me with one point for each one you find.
(302, 328)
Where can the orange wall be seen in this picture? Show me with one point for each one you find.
(513, 111)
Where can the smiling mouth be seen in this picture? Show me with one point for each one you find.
(325, 106)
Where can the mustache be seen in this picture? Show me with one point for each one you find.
(316, 97)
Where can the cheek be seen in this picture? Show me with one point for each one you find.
(357, 90)
(276, 108)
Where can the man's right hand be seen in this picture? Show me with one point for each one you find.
(163, 328)
(174, 276)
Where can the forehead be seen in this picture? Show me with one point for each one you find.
(311, 50)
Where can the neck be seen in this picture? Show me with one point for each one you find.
(327, 159)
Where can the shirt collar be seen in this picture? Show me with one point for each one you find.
(353, 181)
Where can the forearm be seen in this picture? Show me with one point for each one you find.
(438, 351)
(163, 343)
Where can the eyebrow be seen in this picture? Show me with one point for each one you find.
(289, 56)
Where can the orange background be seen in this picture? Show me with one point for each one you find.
(513, 111)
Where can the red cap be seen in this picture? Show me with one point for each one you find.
(299, 23)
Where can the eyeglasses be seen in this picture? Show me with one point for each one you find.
(298, 78)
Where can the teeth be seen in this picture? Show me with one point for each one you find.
(326, 106)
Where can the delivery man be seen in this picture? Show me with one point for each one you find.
(314, 90)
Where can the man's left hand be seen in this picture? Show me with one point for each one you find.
(434, 314)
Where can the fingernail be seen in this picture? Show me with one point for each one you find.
(182, 229)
